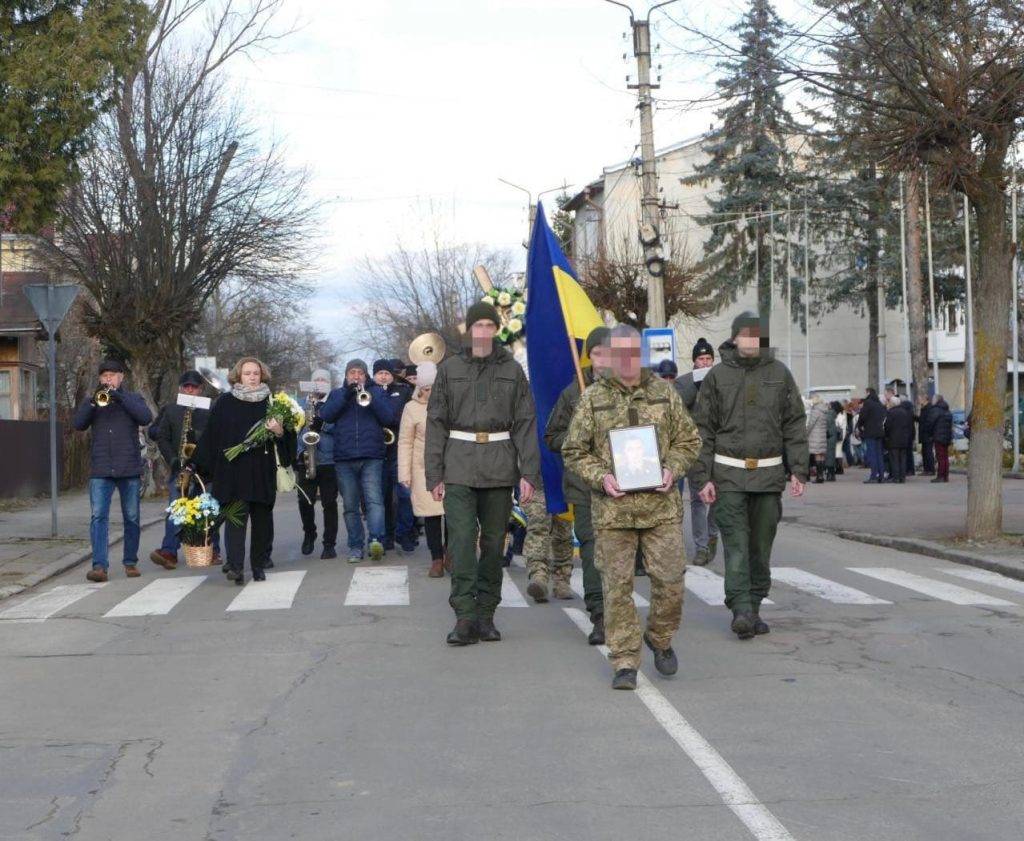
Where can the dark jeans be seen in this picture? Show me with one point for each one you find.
(593, 593)
(472, 513)
(942, 461)
(172, 542)
(898, 463)
(748, 522)
(434, 527)
(324, 485)
(928, 456)
(360, 481)
(909, 461)
(261, 516)
(874, 457)
(389, 482)
(101, 492)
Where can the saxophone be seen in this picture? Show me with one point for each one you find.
(311, 438)
(185, 451)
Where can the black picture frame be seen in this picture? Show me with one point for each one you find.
(636, 458)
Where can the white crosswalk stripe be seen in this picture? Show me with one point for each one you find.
(510, 595)
(157, 598)
(984, 576)
(940, 590)
(42, 607)
(708, 586)
(831, 591)
(378, 586)
(276, 593)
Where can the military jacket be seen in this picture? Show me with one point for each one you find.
(750, 408)
(586, 450)
(575, 489)
(490, 394)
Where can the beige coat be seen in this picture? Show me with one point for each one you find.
(412, 438)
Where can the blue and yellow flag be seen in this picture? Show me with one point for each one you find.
(556, 309)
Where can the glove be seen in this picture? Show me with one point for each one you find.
(317, 424)
(115, 396)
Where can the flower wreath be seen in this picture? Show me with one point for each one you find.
(511, 307)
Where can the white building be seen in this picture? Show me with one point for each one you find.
(608, 211)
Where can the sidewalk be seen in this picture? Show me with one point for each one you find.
(915, 517)
(29, 555)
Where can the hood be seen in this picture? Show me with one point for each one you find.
(941, 404)
(498, 354)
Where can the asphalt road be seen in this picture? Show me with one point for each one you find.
(311, 718)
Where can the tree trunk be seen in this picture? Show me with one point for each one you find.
(991, 334)
(915, 288)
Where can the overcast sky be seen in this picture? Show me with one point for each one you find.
(407, 112)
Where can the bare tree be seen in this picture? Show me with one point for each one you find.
(176, 195)
(414, 291)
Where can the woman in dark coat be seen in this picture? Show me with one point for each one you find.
(251, 478)
(899, 435)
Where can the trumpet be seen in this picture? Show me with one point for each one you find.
(389, 437)
(363, 397)
(102, 396)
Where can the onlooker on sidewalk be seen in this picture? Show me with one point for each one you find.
(837, 437)
(115, 417)
(871, 429)
(166, 432)
(926, 435)
(908, 454)
(817, 435)
(942, 436)
(899, 434)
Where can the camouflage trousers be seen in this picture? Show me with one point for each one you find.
(662, 548)
(548, 547)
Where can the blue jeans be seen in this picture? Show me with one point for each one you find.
(101, 492)
(171, 542)
(361, 480)
(874, 455)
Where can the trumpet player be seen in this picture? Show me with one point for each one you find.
(175, 432)
(360, 412)
(116, 462)
(318, 478)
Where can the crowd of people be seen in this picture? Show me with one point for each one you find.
(447, 450)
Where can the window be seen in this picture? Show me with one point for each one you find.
(28, 397)
(952, 322)
(5, 395)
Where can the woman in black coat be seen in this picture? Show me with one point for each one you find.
(250, 478)
(899, 435)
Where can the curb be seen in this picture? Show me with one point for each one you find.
(962, 471)
(60, 565)
(925, 547)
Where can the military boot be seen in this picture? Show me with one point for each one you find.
(596, 635)
(760, 626)
(562, 589)
(464, 633)
(743, 624)
(665, 660)
(624, 679)
(486, 630)
(537, 589)
(308, 542)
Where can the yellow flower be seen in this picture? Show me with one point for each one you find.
(504, 299)
(519, 308)
(515, 325)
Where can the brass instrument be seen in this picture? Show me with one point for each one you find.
(311, 438)
(363, 397)
(185, 451)
(389, 437)
(428, 347)
(102, 396)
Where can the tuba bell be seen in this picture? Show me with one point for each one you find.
(389, 437)
(427, 347)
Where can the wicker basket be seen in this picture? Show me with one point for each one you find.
(198, 556)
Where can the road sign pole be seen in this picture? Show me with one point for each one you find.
(51, 341)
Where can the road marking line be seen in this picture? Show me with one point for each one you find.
(735, 793)
(576, 583)
(936, 589)
(42, 607)
(379, 586)
(510, 595)
(824, 588)
(276, 593)
(157, 598)
(984, 576)
(707, 586)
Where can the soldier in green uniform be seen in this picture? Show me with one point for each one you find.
(577, 492)
(652, 520)
(548, 550)
(481, 441)
(751, 420)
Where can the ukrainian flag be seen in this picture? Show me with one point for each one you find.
(557, 308)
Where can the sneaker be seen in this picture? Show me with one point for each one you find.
(98, 574)
(743, 624)
(328, 554)
(624, 679)
(308, 542)
(464, 633)
(664, 658)
(486, 631)
(702, 558)
(537, 590)
(563, 591)
(164, 559)
(355, 556)
(375, 550)
(596, 636)
(132, 571)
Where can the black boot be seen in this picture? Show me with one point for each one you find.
(329, 552)
(760, 626)
(308, 542)
(743, 624)
(624, 679)
(464, 633)
(830, 474)
(596, 636)
(664, 658)
(235, 575)
(486, 631)
(259, 575)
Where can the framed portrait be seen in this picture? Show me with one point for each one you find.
(636, 459)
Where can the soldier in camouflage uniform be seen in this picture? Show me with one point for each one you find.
(652, 520)
(548, 550)
(752, 424)
(577, 492)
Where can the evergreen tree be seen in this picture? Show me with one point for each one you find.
(750, 164)
(561, 224)
(58, 60)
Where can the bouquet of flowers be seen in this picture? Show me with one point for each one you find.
(511, 306)
(282, 408)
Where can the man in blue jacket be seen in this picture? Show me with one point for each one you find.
(116, 458)
(359, 455)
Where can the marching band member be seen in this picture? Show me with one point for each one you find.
(324, 482)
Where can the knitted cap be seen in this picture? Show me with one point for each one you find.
(355, 363)
(113, 365)
(382, 365)
(667, 368)
(482, 311)
(703, 348)
(744, 320)
(597, 336)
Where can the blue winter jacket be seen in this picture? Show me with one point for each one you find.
(116, 452)
(359, 430)
(325, 449)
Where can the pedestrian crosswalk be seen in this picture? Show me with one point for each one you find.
(395, 586)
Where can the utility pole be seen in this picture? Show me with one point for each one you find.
(807, 297)
(771, 262)
(789, 284)
(903, 279)
(1015, 332)
(934, 339)
(650, 236)
(881, 314)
